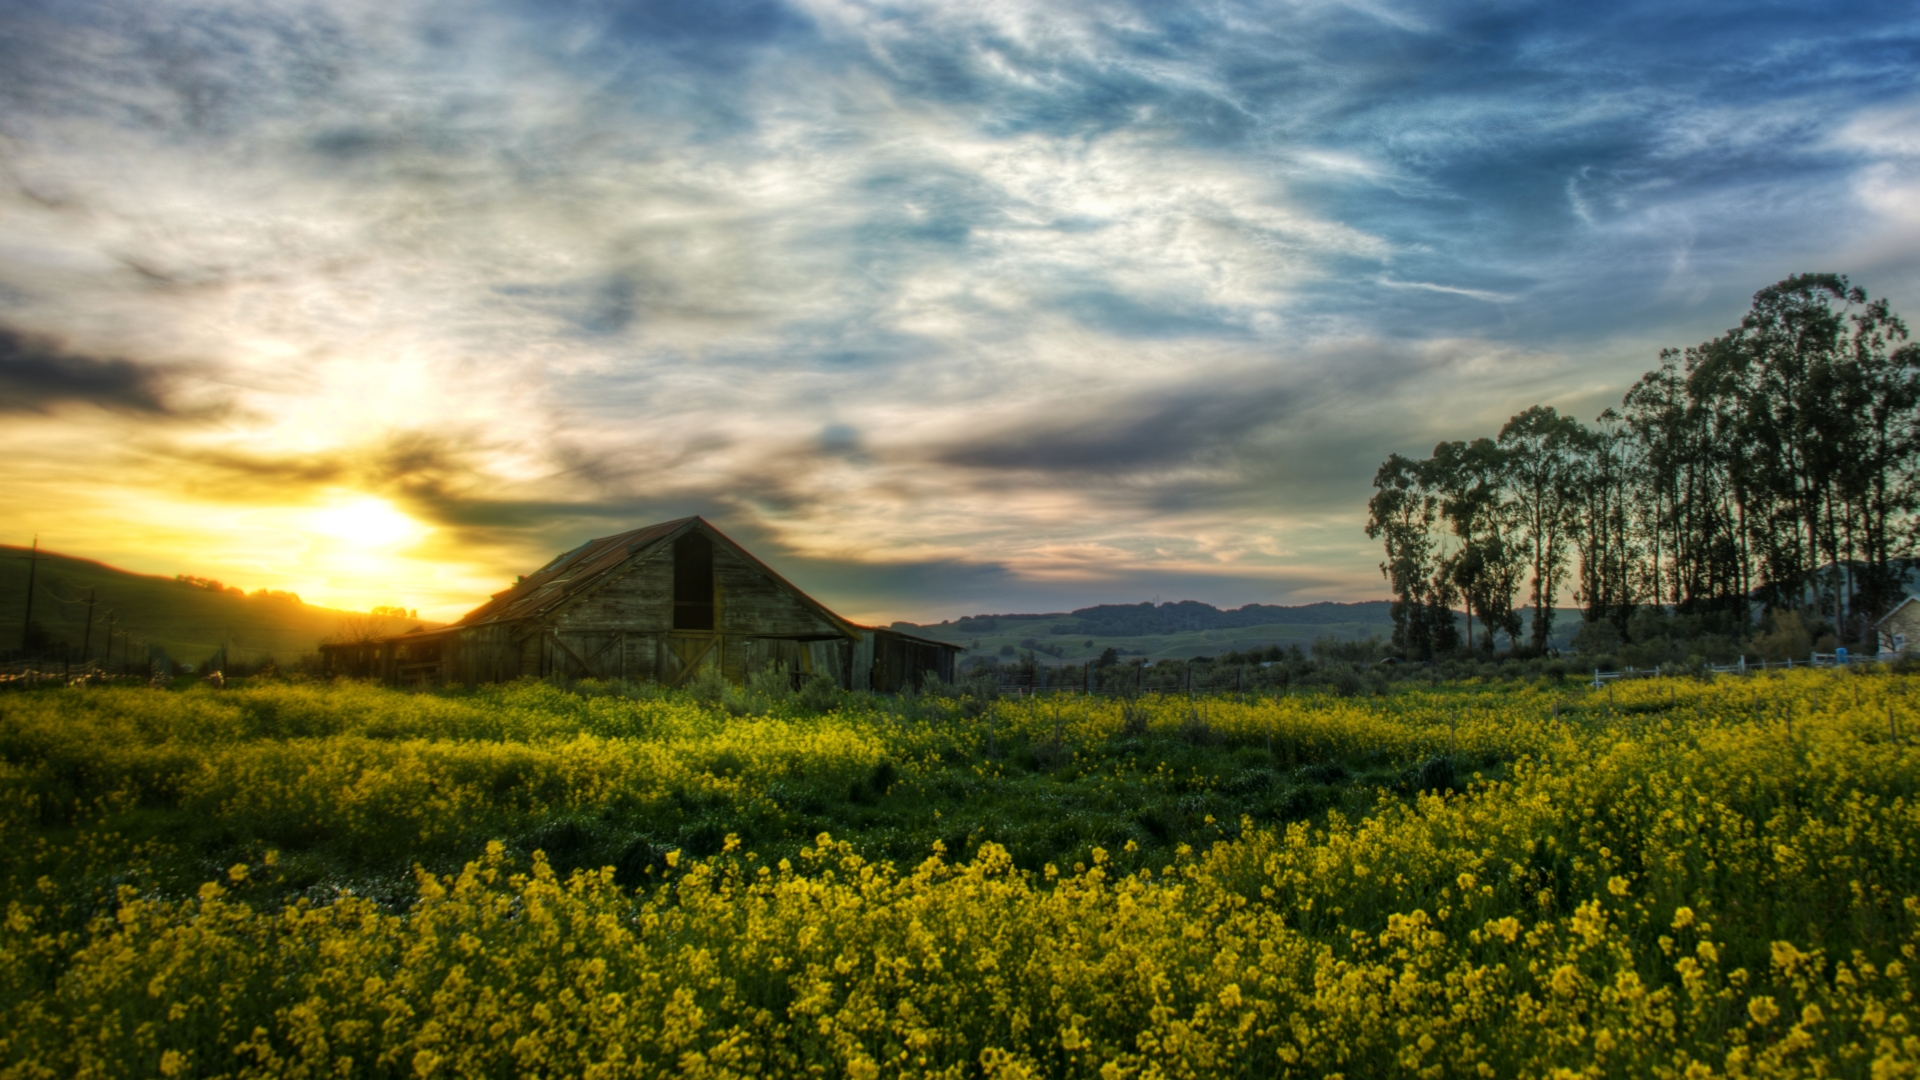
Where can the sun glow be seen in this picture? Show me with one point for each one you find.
(367, 522)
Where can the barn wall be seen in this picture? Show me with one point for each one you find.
(801, 659)
(640, 598)
(419, 660)
(900, 663)
(643, 657)
(860, 664)
(757, 620)
(357, 661)
(481, 654)
(752, 603)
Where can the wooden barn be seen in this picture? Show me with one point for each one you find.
(661, 603)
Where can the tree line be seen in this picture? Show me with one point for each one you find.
(1770, 469)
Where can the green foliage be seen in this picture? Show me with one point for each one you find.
(1784, 636)
(1674, 876)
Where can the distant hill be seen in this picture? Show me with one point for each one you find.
(190, 621)
(1136, 620)
(1176, 630)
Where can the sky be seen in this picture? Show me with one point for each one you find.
(939, 308)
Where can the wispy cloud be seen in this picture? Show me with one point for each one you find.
(1451, 290)
(1031, 296)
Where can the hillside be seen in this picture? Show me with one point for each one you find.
(189, 621)
(1176, 631)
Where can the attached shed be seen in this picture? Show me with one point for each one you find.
(661, 603)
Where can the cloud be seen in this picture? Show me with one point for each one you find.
(1164, 428)
(1888, 180)
(1451, 290)
(1026, 292)
(37, 375)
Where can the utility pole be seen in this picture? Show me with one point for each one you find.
(86, 639)
(33, 564)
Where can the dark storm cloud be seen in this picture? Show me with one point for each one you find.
(38, 375)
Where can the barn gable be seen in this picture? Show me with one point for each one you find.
(660, 603)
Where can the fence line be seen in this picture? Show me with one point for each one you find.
(1818, 660)
(1130, 680)
(23, 675)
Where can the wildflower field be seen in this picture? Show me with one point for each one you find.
(1672, 877)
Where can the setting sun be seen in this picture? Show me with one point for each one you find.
(367, 523)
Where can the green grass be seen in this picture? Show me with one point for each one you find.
(341, 779)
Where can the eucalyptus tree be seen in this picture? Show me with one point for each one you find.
(1540, 454)
(1882, 486)
(1773, 370)
(1403, 514)
(1602, 523)
(1822, 396)
(1400, 515)
(1470, 480)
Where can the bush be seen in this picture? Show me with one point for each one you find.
(1597, 638)
(1783, 636)
(820, 695)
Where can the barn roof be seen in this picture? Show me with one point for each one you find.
(570, 574)
(578, 571)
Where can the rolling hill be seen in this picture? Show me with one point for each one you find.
(1176, 631)
(189, 621)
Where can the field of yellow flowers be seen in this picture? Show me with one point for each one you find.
(1671, 877)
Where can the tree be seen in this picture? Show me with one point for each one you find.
(356, 630)
(1601, 524)
(1540, 451)
(1821, 396)
(1469, 480)
(1402, 515)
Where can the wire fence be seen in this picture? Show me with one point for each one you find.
(28, 674)
(1839, 658)
(1131, 680)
